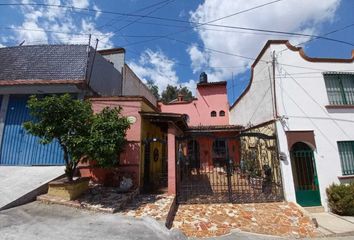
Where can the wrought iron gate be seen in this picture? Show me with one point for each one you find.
(255, 177)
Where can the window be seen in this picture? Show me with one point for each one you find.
(213, 114)
(222, 113)
(340, 88)
(219, 152)
(346, 152)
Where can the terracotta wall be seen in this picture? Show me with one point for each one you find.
(129, 163)
(209, 98)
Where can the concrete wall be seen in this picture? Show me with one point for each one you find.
(133, 86)
(117, 58)
(301, 99)
(209, 98)
(255, 107)
(105, 79)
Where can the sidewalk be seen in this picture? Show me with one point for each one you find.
(331, 224)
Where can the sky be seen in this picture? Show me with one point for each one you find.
(168, 42)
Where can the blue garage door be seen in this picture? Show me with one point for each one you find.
(18, 146)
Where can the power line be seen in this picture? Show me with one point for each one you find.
(308, 117)
(201, 24)
(326, 34)
(315, 101)
(176, 20)
(136, 20)
(113, 21)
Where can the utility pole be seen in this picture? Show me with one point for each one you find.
(274, 88)
(93, 61)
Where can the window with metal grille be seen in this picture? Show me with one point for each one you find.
(213, 114)
(346, 152)
(340, 88)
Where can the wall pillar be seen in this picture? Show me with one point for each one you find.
(171, 143)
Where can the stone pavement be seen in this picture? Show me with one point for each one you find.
(152, 205)
(210, 220)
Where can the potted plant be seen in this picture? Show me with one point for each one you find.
(254, 173)
(67, 121)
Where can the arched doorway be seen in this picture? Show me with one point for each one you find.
(305, 175)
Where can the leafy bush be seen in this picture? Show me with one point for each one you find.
(341, 198)
(82, 135)
(107, 137)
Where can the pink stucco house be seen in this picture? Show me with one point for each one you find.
(166, 139)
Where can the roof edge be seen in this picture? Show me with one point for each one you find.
(40, 82)
(111, 51)
(126, 99)
(294, 49)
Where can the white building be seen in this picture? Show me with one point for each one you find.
(312, 102)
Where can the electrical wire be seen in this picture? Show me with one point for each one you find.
(177, 20)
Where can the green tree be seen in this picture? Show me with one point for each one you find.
(187, 94)
(171, 93)
(107, 138)
(154, 89)
(72, 123)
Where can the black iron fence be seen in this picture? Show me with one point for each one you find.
(253, 178)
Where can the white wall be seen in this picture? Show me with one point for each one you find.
(302, 97)
(256, 106)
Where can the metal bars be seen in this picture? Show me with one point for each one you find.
(346, 152)
(340, 88)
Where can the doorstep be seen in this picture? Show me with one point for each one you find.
(315, 209)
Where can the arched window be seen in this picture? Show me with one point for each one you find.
(222, 113)
(213, 114)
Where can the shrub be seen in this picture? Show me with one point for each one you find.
(82, 135)
(341, 198)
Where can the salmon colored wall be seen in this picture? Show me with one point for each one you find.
(206, 149)
(209, 98)
(130, 158)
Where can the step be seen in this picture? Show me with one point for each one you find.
(316, 209)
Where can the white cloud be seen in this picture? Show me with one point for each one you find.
(42, 25)
(199, 59)
(290, 15)
(156, 66)
(79, 3)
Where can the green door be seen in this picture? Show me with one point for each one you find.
(305, 175)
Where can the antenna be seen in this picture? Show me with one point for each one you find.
(22, 43)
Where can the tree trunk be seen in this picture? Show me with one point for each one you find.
(69, 171)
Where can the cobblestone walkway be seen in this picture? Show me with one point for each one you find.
(155, 206)
(208, 220)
